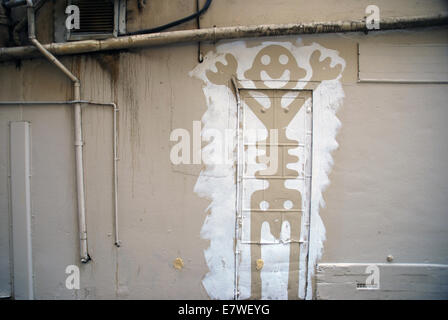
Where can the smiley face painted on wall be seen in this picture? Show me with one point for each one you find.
(276, 67)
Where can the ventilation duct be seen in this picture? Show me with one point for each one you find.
(96, 16)
(98, 19)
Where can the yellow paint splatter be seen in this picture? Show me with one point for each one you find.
(260, 264)
(178, 263)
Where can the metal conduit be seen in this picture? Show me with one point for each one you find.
(221, 33)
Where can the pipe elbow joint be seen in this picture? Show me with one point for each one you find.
(86, 259)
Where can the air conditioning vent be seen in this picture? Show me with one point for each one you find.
(98, 19)
(96, 16)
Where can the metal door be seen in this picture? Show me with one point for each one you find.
(274, 193)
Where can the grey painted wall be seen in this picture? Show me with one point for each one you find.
(388, 184)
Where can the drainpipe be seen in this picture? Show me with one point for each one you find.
(78, 131)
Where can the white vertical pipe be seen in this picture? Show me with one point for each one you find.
(80, 175)
(78, 132)
(239, 164)
(117, 239)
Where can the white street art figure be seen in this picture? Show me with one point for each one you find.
(274, 200)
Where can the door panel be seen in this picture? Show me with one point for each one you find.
(274, 192)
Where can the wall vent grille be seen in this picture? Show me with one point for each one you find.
(96, 17)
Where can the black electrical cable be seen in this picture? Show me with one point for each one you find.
(171, 24)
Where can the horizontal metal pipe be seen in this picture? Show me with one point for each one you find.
(55, 102)
(381, 264)
(37, 103)
(214, 34)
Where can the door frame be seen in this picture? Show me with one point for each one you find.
(238, 86)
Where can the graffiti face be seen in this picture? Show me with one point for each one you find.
(276, 66)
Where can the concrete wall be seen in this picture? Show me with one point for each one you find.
(150, 190)
(387, 184)
(253, 12)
